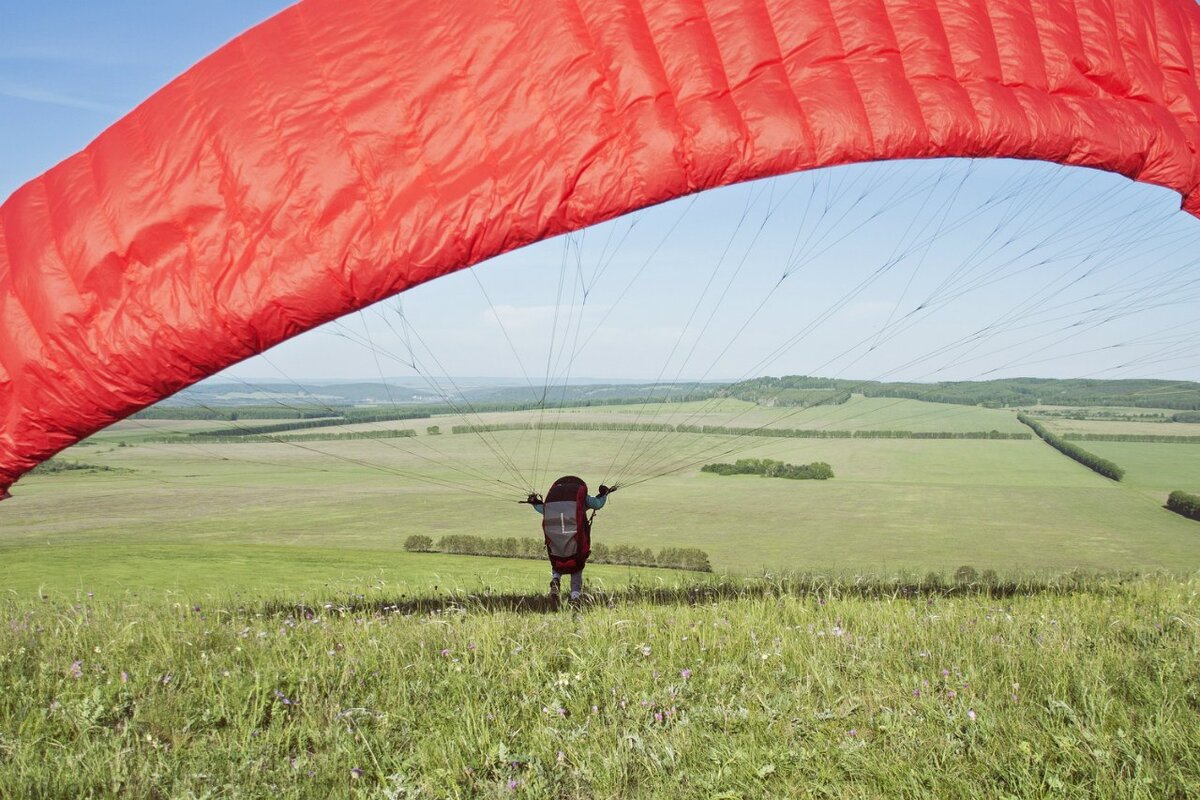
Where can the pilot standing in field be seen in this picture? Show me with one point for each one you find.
(567, 526)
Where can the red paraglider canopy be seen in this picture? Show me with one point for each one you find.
(346, 150)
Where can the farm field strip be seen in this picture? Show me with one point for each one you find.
(893, 504)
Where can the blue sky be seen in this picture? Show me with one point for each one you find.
(1063, 273)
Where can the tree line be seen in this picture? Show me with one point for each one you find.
(689, 558)
(1186, 504)
(397, 433)
(769, 468)
(280, 427)
(234, 413)
(724, 430)
(790, 391)
(1002, 393)
(1131, 437)
(1090, 460)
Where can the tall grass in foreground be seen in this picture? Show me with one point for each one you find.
(790, 688)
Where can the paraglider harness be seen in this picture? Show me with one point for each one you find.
(567, 523)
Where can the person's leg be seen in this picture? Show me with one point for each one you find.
(576, 584)
(555, 577)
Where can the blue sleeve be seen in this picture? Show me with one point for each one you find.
(538, 507)
(596, 503)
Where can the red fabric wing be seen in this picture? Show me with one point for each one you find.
(346, 150)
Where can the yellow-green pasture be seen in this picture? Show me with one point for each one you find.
(340, 510)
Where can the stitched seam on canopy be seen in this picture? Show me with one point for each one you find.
(687, 157)
(806, 126)
(338, 115)
(954, 67)
(1030, 127)
(908, 83)
(224, 162)
(545, 106)
(844, 63)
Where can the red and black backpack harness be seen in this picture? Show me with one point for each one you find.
(567, 525)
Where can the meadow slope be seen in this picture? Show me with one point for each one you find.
(1083, 691)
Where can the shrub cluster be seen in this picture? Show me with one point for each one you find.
(768, 468)
(1186, 416)
(688, 558)
(54, 467)
(1186, 504)
(1090, 460)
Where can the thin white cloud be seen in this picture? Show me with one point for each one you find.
(61, 54)
(33, 94)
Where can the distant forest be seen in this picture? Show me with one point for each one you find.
(796, 390)
(350, 400)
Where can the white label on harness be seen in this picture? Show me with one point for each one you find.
(560, 528)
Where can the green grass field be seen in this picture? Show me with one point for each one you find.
(894, 504)
(1089, 692)
(153, 643)
(1121, 427)
(1157, 469)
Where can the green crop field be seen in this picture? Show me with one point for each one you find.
(1157, 469)
(859, 413)
(241, 620)
(894, 504)
(1121, 427)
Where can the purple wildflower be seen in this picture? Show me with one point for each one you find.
(356, 772)
(76, 669)
(971, 714)
(685, 674)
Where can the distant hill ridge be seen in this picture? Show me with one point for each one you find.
(788, 390)
(1002, 393)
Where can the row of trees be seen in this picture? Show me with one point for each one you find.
(280, 427)
(688, 558)
(793, 391)
(1131, 437)
(399, 433)
(1090, 460)
(724, 430)
(56, 466)
(1008, 392)
(234, 413)
(1004, 392)
(769, 468)
(1186, 416)
(1186, 504)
